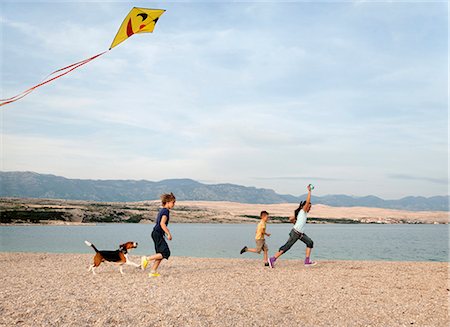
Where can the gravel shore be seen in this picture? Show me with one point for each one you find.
(41, 289)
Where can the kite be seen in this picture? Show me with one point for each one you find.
(138, 20)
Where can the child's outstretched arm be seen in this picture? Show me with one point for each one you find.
(164, 227)
(308, 198)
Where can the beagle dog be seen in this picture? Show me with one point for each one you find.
(119, 256)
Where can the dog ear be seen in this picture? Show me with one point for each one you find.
(122, 246)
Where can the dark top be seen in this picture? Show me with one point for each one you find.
(161, 213)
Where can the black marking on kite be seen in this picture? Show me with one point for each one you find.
(156, 19)
(143, 15)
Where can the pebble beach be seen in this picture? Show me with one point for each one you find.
(41, 289)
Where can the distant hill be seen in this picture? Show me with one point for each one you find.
(34, 185)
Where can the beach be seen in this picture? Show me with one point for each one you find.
(41, 289)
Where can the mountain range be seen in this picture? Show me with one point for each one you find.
(34, 185)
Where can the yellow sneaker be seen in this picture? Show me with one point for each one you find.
(144, 263)
(154, 274)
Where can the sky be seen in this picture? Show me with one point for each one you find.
(351, 96)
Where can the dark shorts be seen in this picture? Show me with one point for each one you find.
(294, 236)
(161, 244)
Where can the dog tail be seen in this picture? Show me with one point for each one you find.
(90, 244)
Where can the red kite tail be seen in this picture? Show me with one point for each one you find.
(60, 72)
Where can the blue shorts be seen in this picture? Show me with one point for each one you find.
(161, 244)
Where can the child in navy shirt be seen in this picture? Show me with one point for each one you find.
(159, 232)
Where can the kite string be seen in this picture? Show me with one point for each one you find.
(46, 80)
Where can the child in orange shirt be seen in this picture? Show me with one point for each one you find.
(260, 238)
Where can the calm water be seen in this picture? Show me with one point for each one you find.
(331, 241)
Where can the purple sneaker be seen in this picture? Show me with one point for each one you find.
(272, 262)
(310, 263)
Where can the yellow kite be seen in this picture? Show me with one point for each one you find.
(138, 20)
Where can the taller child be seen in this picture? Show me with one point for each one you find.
(159, 231)
(297, 232)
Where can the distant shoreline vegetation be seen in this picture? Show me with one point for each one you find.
(314, 220)
(42, 186)
(49, 216)
(40, 216)
(285, 220)
(49, 211)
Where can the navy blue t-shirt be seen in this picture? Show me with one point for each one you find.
(161, 213)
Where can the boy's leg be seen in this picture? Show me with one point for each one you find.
(157, 240)
(145, 260)
(266, 255)
(155, 267)
(164, 254)
(259, 246)
(156, 264)
(157, 256)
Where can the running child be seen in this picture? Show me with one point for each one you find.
(259, 238)
(159, 232)
(297, 232)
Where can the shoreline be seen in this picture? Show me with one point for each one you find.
(137, 257)
(147, 222)
(56, 289)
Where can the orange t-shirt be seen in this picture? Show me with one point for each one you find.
(260, 230)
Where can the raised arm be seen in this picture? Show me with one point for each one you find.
(308, 198)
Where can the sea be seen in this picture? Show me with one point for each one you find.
(379, 242)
